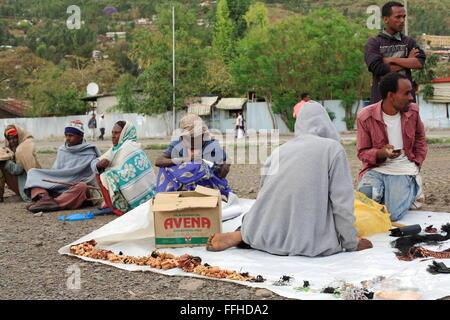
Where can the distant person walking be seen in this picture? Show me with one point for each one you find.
(92, 125)
(305, 97)
(239, 125)
(392, 51)
(101, 126)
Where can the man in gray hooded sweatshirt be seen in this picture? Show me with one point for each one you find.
(306, 200)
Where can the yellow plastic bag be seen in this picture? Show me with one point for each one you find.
(371, 217)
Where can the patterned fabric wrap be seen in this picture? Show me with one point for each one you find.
(187, 175)
(130, 178)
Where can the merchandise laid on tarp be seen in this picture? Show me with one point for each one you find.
(128, 243)
(186, 218)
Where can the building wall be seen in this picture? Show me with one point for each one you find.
(223, 120)
(46, 127)
(335, 106)
(104, 103)
(258, 117)
(53, 127)
(434, 115)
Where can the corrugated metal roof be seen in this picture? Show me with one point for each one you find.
(199, 109)
(209, 100)
(15, 107)
(441, 92)
(201, 105)
(231, 103)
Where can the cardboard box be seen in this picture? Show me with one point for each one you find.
(186, 218)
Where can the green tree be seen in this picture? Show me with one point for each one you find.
(426, 74)
(218, 79)
(153, 53)
(321, 53)
(126, 95)
(254, 68)
(432, 19)
(63, 41)
(18, 69)
(223, 31)
(118, 53)
(238, 9)
(257, 15)
(63, 102)
(5, 37)
(51, 94)
(55, 86)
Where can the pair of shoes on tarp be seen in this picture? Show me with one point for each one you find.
(44, 204)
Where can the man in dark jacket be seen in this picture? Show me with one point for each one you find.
(392, 51)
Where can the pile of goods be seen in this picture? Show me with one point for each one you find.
(409, 250)
(161, 260)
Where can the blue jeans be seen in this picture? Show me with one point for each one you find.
(396, 192)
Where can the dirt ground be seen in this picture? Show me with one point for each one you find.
(31, 267)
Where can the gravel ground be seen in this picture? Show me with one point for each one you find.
(33, 269)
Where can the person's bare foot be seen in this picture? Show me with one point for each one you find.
(222, 241)
(364, 244)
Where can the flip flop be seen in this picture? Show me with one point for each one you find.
(44, 208)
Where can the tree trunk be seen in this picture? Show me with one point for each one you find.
(269, 108)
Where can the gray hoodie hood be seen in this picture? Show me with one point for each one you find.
(313, 119)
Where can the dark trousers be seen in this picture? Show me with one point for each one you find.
(102, 132)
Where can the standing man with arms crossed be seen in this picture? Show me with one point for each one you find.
(391, 144)
(392, 51)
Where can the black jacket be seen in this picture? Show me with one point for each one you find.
(382, 46)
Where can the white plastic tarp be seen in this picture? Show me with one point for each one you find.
(133, 233)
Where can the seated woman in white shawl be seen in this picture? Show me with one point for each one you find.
(305, 204)
(125, 171)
